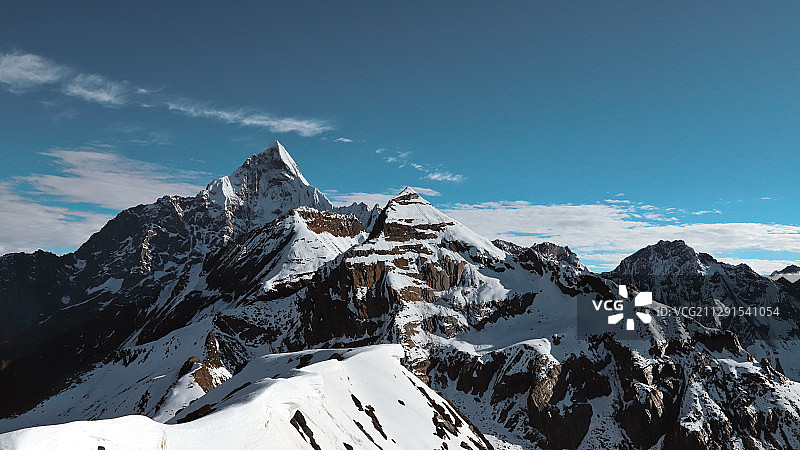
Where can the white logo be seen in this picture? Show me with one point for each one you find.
(642, 299)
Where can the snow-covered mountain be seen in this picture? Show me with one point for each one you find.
(347, 398)
(680, 277)
(198, 311)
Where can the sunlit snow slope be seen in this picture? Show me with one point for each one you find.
(321, 399)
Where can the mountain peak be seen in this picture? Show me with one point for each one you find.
(410, 207)
(791, 269)
(668, 249)
(408, 190)
(268, 185)
(408, 217)
(790, 273)
(274, 158)
(555, 252)
(661, 259)
(408, 196)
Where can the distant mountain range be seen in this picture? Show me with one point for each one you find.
(790, 273)
(257, 312)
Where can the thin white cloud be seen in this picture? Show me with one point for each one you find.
(608, 232)
(343, 139)
(23, 72)
(303, 127)
(109, 180)
(97, 89)
(444, 176)
(401, 159)
(28, 225)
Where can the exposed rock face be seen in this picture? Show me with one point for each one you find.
(320, 222)
(261, 262)
(361, 211)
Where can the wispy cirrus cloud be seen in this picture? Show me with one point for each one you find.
(403, 159)
(343, 140)
(303, 127)
(97, 89)
(24, 72)
(96, 176)
(444, 176)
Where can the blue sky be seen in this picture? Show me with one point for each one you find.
(600, 125)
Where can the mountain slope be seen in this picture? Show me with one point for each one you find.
(319, 399)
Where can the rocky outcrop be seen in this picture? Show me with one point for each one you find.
(326, 222)
(212, 371)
